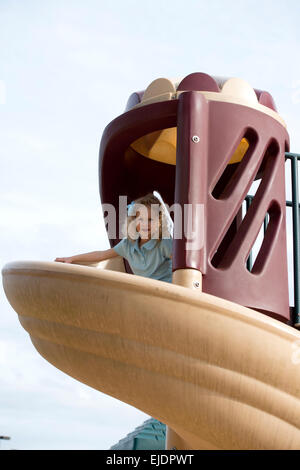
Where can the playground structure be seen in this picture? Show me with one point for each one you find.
(210, 355)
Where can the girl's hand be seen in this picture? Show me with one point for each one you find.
(64, 260)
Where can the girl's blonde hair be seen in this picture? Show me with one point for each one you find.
(148, 200)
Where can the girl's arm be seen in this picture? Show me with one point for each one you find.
(92, 256)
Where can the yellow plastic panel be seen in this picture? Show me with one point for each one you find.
(240, 151)
(161, 146)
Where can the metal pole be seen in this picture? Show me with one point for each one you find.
(249, 260)
(295, 205)
(296, 237)
(292, 155)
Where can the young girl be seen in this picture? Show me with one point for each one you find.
(147, 245)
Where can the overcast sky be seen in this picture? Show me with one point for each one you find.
(67, 69)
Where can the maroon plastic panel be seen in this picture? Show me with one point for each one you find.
(203, 175)
(198, 81)
(123, 172)
(265, 99)
(191, 180)
(266, 286)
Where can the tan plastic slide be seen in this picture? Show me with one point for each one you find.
(221, 376)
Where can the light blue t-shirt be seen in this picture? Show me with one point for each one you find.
(152, 259)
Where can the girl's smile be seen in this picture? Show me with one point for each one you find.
(145, 226)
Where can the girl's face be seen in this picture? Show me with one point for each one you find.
(145, 224)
